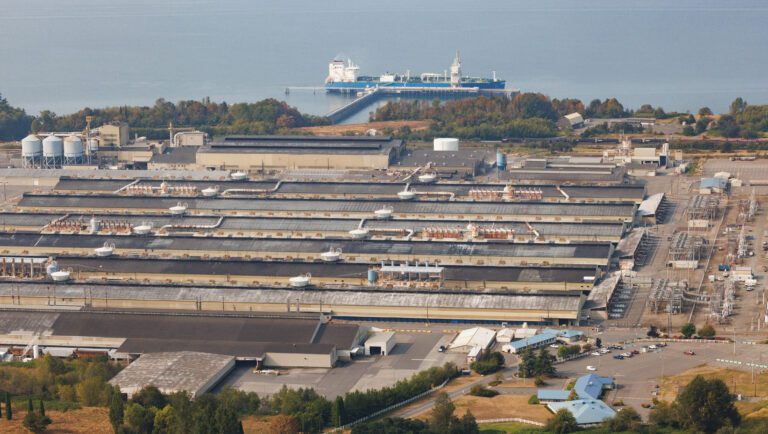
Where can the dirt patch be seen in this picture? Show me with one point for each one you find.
(334, 130)
(256, 424)
(500, 406)
(83, 420)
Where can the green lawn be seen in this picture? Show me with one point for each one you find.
(509, 428)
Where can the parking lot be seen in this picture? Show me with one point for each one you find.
(414, 352)
(637, 376)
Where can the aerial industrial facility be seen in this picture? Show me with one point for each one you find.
(270, 231)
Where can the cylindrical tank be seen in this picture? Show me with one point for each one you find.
(446, 144)
(73, 147)
(93, 145)
(501, 160)
(31, 146)
(372, 276)
(35, 352)
(53, 147)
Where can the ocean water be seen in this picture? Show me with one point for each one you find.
(67, 54)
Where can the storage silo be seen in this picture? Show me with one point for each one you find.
(73, 150)
(31, 151)
(446, 144)
(53, 152)
(93, 146)
(501, 160)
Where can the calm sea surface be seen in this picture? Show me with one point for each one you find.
(67, 54)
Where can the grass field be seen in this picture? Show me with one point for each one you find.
(501, 406)
(741, 379)
(85, 420)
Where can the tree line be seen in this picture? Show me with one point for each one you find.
(268, 116)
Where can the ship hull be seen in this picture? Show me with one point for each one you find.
(366, 84)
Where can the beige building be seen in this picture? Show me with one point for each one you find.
(300, 152)
(115, 134)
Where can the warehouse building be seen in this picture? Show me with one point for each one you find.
(330, 208)
(284, 340)
(484, 192)
(383, 304)
(300, 152)
(349, 251)
(184, 371)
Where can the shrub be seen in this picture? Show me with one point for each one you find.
(533, 400)
(707, 331)
(482, 391)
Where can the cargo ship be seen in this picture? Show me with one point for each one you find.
(343, 78)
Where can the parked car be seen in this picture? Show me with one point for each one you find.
(652, 347)
(441, 349)
(591, 368)
(635, 352)
(596, 353)
(618, 357)
(689, 353)
(605, 350)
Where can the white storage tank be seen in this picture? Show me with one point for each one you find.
(73, 147)
(446, 144)
(31, 147)
(93, 145)
(53, 147)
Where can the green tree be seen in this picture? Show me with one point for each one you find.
(8, 408)
(738, 106)
(227, 420)
(204, 414)
(182, 406)
(706, 405)
(116, 408)
(14, 122)
(337, 413)
(562, 422)
(688, 330)
(92, 391)
(664, 415)
(705, 111)
(36, 422)
(689, 131)
(139, 418)
(442, 413)
(527, 368)
(30, 407)
(42, 408)
(150, 396)
(544, 364)
(626, 419)
(707, 331)
(166, 422)
(467, 424)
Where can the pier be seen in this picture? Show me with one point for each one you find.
(371, 95)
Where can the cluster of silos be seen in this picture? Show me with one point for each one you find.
(53, 151)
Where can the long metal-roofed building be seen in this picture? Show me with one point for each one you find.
(543, 308)
(307, 227)
(485, 192)
(279, 338)
(337, 208)
(353, 251)
(300, 152)
(232, 272)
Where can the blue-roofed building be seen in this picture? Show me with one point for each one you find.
(552, 395)
(585, 411)
(712, 185)
(539, 340)
(568, 336)
(591, 386)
